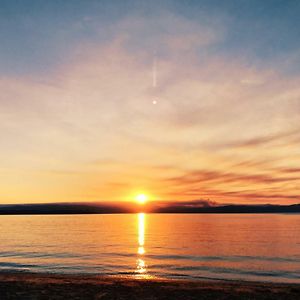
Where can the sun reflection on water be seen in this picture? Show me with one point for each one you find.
(141, 229)
(141, 268)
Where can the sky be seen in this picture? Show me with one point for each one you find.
(82, 120)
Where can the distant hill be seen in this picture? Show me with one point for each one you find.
(267, 208)
(60, 208)
(199, 206)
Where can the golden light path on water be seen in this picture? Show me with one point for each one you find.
(141, 268)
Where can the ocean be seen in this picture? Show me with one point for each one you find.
(254, 247)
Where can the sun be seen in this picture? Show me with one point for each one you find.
(141, 198)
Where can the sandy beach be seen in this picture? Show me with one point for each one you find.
(46, 286)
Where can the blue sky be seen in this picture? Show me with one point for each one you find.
(38, 35)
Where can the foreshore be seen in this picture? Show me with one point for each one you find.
(53, 286)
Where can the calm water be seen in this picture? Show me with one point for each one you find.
(249, 247)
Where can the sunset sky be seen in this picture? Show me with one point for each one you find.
(77, 119)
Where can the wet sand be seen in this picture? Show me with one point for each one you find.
(46, 286)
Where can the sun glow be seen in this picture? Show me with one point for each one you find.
(141, 198)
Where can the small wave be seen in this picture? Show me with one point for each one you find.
(218, 270)
(42, 254)
(224, 258)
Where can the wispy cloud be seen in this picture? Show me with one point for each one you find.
(223, 127)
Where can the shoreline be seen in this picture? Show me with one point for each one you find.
(25, 285)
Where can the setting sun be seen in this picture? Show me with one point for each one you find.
(141, 198)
